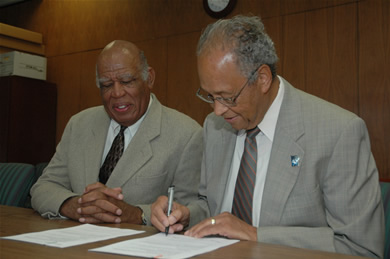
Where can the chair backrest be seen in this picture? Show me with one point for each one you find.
(385, 188)
(39, 169)
(38, 172)
(16, 180)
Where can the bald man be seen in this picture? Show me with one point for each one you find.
(161, 147)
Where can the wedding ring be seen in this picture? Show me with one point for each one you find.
(212, 221)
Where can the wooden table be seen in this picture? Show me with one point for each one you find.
(14, 220)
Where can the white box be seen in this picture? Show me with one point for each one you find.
(17, 63)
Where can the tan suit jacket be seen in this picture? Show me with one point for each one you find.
(165, 150)
(331, 201)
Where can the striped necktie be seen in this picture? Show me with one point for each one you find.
(246, 178)
(113, 156)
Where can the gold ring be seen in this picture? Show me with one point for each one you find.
(212, 221)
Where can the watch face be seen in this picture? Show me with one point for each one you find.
(217, 5)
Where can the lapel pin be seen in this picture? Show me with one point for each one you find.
(295, 161)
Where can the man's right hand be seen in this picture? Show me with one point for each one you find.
(177, 220)
(69, 208)
(96, 205)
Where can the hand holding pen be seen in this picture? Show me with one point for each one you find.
(171, 191)
(179, 215)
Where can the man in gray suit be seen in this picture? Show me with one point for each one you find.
(316, 182)
(162, 147)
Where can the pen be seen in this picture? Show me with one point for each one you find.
(171, 191)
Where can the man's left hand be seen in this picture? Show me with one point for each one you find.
(225, 224)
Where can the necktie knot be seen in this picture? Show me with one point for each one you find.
(123, 128)
(252, 133)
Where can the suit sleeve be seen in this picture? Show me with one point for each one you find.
(199, 208)
(187, 174)
(352, 199)
(53, 187)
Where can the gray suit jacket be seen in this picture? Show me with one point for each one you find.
(166, 150)
(330, 202)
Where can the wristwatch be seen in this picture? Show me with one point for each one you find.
(144, 222)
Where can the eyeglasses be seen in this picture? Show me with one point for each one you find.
(230, 102)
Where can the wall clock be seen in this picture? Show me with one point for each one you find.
(219, 8)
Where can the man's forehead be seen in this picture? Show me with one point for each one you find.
(112, 67)
(217, 57)
(225, 59)
(120, 58)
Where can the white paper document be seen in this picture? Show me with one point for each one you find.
(173, 246)
(65, 237)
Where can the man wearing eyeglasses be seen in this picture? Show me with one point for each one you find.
(114, 160)
(279, 165)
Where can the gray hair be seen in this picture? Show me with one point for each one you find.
(144, 66)
(246, 37)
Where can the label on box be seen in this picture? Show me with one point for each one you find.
(22, 64)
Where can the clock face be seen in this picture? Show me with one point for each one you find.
(218, 5)
(219, 8)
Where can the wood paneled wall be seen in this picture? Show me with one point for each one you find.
(338, 50)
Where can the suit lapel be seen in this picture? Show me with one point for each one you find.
(282, 173)
(95, 147)
(223, 163)
(139, 150)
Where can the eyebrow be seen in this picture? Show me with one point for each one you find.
(119, 77)
(103, 80)
(125, 76)
(219, 93)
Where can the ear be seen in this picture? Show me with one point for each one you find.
(264, 78)
(151, 77)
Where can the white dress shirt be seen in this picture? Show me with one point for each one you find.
(129, 133)
(264, 144)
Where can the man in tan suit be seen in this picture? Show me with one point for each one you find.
(162, 147)
(316, 183)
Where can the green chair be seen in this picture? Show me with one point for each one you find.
(39, 169)
(38, 172)
(16, 180)
(385, 187)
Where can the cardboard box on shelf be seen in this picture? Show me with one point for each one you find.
(22, 64)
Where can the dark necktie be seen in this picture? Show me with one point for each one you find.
(113, 156)
(246, 178)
